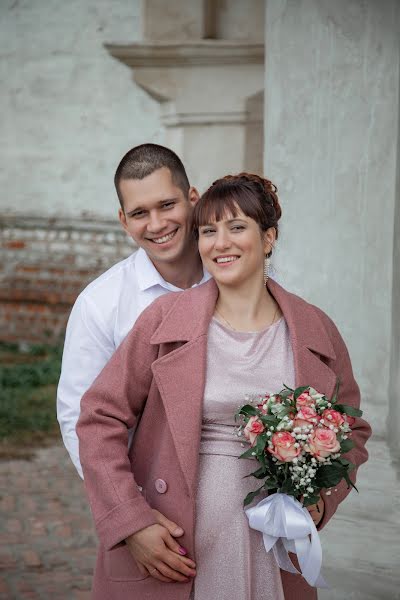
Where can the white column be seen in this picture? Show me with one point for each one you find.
(331, 118)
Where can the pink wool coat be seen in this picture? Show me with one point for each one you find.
(155, 382)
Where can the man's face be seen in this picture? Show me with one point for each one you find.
(157, 215)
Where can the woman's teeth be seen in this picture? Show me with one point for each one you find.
(165, 238)
(226, 259)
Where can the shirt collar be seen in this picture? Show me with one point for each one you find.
(148, 276)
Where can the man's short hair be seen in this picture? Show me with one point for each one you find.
(143, 160)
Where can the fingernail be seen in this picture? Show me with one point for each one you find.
(178, 531)
(182, 550)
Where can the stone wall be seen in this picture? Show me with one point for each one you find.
(44, 265)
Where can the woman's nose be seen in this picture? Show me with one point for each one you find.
(222, 241)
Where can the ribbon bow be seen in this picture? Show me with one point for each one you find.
(286, 526)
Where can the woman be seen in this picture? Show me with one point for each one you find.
(178, 378)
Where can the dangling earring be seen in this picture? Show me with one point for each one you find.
(266, 269)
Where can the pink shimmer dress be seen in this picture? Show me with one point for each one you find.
(232, 563)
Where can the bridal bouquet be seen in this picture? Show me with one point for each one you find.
(298, 437)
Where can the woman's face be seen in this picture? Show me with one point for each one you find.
(233, 249)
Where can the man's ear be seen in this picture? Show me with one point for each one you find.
(122, 219)
(193, 196)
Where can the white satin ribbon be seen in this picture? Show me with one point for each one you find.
(286, 525)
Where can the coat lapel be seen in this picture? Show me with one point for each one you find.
(180, 375)
(310, 342)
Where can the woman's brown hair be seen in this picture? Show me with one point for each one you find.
(255, 196)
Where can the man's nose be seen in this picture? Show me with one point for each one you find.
(156, 223)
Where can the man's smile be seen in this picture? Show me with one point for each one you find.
(165, 238)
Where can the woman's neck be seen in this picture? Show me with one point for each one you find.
(248, 308)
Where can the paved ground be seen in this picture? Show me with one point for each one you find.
(48, 545)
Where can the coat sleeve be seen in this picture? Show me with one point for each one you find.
(349, 394)
(110, 407)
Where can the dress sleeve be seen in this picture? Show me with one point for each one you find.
(109, 408)
(349, 394)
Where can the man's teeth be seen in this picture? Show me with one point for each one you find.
(164, 239)
(227, 259)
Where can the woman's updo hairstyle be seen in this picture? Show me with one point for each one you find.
(255, 196)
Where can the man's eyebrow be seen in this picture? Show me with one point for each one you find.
(159, 203)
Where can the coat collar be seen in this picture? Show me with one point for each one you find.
(197, 304)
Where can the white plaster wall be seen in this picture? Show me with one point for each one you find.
(68, 110)
(331, 102)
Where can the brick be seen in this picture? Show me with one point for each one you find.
(15, 244)
(31, 558)
(13, 525)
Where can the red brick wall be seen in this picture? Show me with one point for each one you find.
(44, 264)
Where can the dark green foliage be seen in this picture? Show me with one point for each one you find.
(27, 390)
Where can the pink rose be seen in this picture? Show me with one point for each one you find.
(323, 442)
(304, 400)
(283, 446)
(307, 415)
(332, 417)
(253, 428)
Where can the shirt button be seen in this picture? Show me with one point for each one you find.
(161, 486)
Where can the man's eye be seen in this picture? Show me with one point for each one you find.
(137, 215)
(168, 204)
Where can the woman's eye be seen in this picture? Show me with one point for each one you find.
(238, 227)
(206, 231)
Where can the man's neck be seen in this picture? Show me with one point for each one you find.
(184, 273)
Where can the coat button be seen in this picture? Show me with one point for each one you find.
(161, 486)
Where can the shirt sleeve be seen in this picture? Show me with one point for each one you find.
(88, 347)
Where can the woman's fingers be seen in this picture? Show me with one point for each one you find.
(170, 573)
(154, 572)
(172, 527)
(178, 560)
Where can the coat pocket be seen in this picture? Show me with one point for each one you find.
(121, 566)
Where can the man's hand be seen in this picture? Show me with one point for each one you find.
(317, 511)
(156, 552)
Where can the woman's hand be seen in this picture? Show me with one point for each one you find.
(317, 511)
(157, 553)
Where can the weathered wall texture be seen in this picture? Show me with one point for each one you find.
(69, 112)
(331, 104)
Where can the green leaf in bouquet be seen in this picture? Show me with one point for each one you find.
(261, 443)
(309, 500)
(287, 388)
(258, 474)
(286, 392)
(349, 482)
(286, 486)
(329, 475)
(248, 410)
(348, 410)
(269, 420)
(271, 483)
(298, 391)
(346, 446)
(250, 496)
(248, 453)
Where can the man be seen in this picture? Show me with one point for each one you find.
(156, 204)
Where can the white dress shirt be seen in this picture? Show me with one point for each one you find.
(101, 317)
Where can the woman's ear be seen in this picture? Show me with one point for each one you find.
(269, 240)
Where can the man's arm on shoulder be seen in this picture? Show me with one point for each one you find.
(87, 349)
